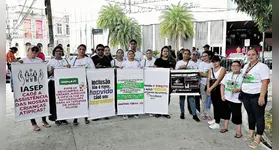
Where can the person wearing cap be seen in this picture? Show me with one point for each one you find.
(40, 54)
(10, 57)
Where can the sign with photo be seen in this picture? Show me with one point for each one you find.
(185, 81)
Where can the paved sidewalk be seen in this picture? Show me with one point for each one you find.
(145, 133)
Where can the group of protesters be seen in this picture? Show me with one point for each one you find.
(226, 90)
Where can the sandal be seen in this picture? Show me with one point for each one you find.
(238, 135)
(168, 116)
(45, 124)
(224, 130)
(247, 138)
(36, 127)
(204, 117)
(254, 144)
(58, 123)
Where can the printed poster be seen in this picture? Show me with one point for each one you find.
(156, 90)
(101, 87)
(71, 93)
(185, 81)
(130, 88)
(30, 91)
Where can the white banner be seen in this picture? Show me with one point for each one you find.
(156, 90)
(101, 93)
(130, 94)
(71, 93)
(30, 91)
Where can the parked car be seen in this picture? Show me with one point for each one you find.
(268, 59)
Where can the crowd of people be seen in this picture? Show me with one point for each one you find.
(226, 90)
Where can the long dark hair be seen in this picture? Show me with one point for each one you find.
(170, 57)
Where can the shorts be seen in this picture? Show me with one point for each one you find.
(235, 110)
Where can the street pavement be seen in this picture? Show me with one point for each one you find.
(145, 133)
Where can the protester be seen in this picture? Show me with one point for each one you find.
(100, 60)
(180, 54)
(57, 62)
(230, 89)
(238, 49)
(10, 57)
(118, 61)
(107, 53)
(216, 74)
(204, 67)
(254, 95)
(82, 61)
(206, 48)
(40, 55)
(149, 60)
(172, 52)
(165, 61)
(131, 63)
(32, 59)
(196, 63)
(187, 64)
(133, 47)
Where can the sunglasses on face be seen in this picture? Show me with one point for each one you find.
(100, 49)
(35, 50)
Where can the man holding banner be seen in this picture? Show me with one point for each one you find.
(185, 63)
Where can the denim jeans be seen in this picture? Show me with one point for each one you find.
(11, 80)
(191, 101)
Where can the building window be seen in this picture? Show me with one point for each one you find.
(67, 29)
(59, 28)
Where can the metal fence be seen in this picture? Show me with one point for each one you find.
(226, 63)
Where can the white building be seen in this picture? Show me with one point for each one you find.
(210, 23)
(30, 26)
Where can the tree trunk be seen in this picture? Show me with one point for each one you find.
(177, 45)
(263, 47)
(108, 38)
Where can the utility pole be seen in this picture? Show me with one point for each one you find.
(9, 37)
(49, 19)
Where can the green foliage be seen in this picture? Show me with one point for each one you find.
(176, 22)
(260, 10)
(155, 52)
(124, 32)
(121, 28)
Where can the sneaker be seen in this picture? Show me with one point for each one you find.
(209, 118)
(136, 116)
(64, 121)
(211, 122)
(58, 123)
(214, 126)
(157, 115)
(125, 117)
(196, 118)
(182, 116)
(203, 117)
(151, 115)
(107, 118)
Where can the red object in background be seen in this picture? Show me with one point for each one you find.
(41, 55)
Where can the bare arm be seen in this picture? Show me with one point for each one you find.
(264, 87)
(208, 78)
(219, 79)
(202, 74)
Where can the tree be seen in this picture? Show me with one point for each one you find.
(260, 10)
(176, 22)
(110, 16)
(125, 31)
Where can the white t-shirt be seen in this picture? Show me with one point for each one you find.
(56, 64)
(131, 64)
(231, 81)
(252, 82)
(147, 63)
(27, 60)
(204, 67)
(180, 63)
(84, 62)
(197, 64)
(138, 56)
(117, 63)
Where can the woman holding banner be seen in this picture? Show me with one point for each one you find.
(131, 63)
(118, 61)
(31, 58)
(165, 61)
(57, 62)
(186, 63)
(82, 61)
